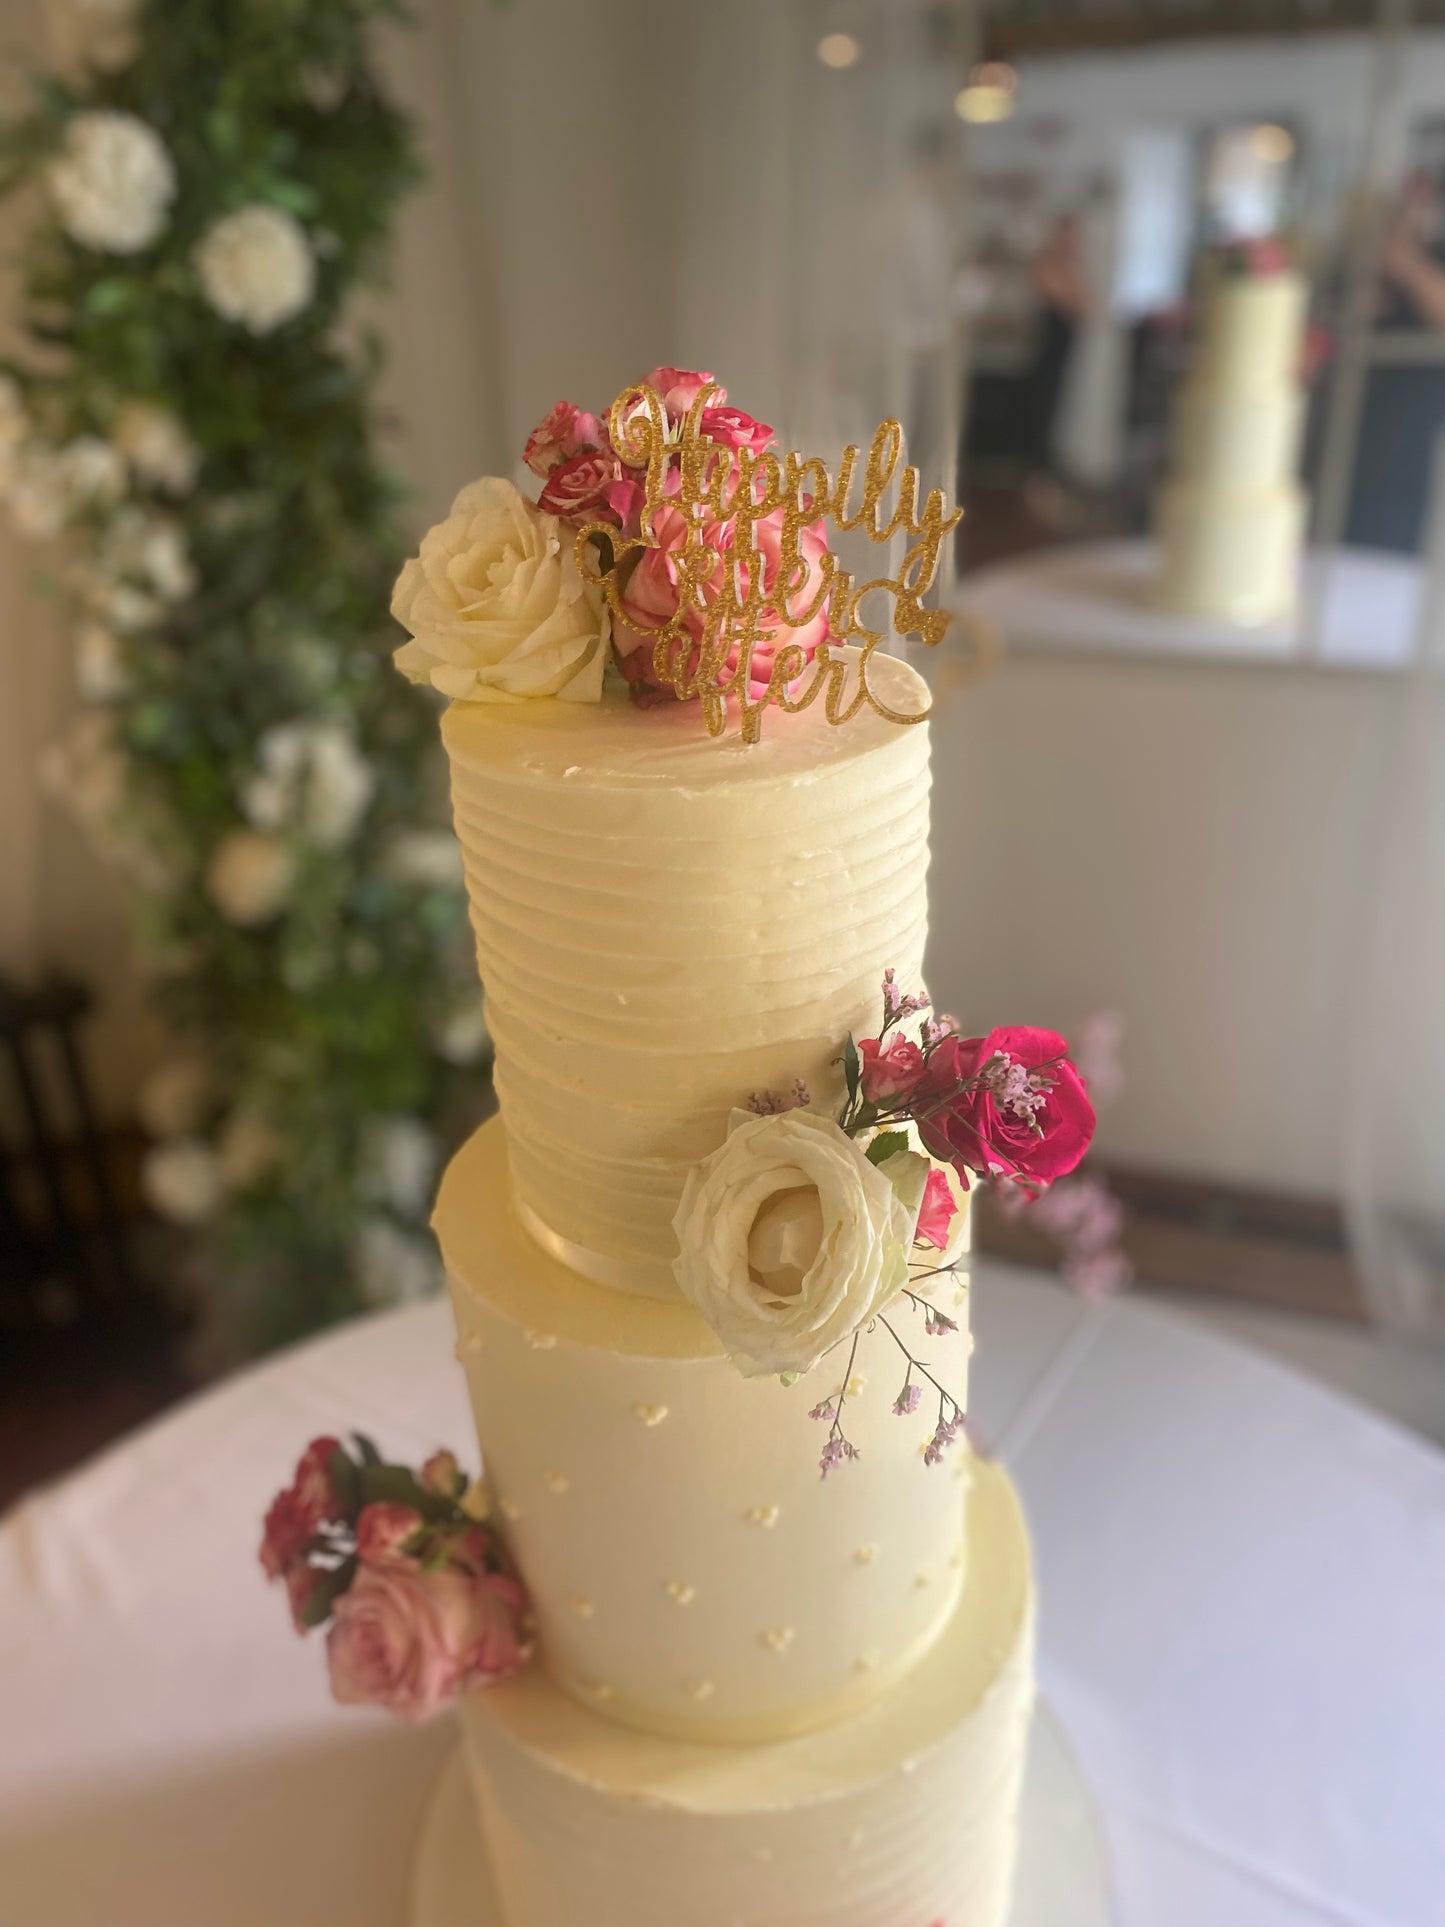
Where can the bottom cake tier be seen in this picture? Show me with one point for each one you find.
(1230, 554)
(905, 1815)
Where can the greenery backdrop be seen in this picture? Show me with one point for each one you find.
(194, 415)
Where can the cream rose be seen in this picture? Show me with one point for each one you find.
(498, 609)
(789, 1239)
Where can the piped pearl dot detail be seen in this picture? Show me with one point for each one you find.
(763, 1515)
(583, 1608)
(701, 1689)
(651, 1414)
(866, 1663)
(474, 1343)
(680, 1592)
(778, 1638)
(865, 1555)
(540, 1341)
(921, 1582)
(555, 1482)
(510, 1509)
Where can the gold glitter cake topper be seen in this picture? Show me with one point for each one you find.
(726, 605)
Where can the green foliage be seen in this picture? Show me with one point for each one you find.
(323, 1019)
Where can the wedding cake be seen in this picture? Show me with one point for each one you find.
(709, 1264)
(1231, 516)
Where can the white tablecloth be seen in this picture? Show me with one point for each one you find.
(1243, 1632)
(1358, 608)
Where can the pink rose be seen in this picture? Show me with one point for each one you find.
(309, 1501)
(889, 1070)
(564, 431)
(592, 487)
(1007, 1104)
(383, 1530)
(411, 1641)
(678, 389)
(733, 429)
(937, 1212)
(652, 597)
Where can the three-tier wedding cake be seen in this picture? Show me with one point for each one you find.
(709, 1263)
(1232, 514)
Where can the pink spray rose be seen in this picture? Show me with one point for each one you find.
(889, 1070)
(563, 432)
(731, 428)
(678, 389)
(937, 1212)
(1008, 1103)
(411, 1641)
(592, 487)
(383, 1529)
(651, 597)
(309, 1501)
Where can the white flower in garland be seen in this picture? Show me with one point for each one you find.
(392, 1266)
(102, 674)
(93, 471)
(311, 777)
(789, 1238)
(182, 1180)
(425, 859)
(256, 267)
(37, 490)
(148, 551)
(112, 182)
(249, 877)
(461, 1036)
(399, 1164)
(157, 447)
(175, 1097)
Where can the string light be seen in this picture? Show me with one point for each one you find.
(839, 50)
(1271, 143)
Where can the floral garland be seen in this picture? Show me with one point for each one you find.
(422, 1601)
(214, 181)
(803, 1232)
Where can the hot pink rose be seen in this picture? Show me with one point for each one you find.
(309, 1501)
(678, 389)
(383, 1530)
(411, 1641)
(937, 1212)
(590, 487)
(733, 429)
(1008, 1103)
(652, 597)
(889, 1070)
(564, 431)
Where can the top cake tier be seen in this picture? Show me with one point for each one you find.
(667, 922)
(1253, 330)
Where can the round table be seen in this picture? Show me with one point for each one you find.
(1242, 1583)
(1357, 609)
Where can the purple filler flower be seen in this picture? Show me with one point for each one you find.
(906, 1402)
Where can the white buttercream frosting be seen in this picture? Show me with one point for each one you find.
(905, 1813)
(638, 1472)
(667, 922)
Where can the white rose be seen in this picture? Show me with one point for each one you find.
(182, 1180)
(312, 776)
(101, 672)
(399, 1163)
(249, 877)
(498, 607)
(93, 470)
(256, 268)
(174, 1099)
(112, 182)
(461, 1036)
(789, 1239)
(392, 1266)
(427, 859)
(157, 447)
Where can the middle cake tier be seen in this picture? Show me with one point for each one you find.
(692, 1574)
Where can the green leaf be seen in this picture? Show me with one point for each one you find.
(852, 1068)
(326, 1589)
(366, 1449)
(346, 1477)
(885, 1145)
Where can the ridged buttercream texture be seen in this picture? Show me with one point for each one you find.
(901, 1817)
(667, 922)
(691, 1573)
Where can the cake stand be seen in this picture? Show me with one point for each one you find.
(1062, 1878)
